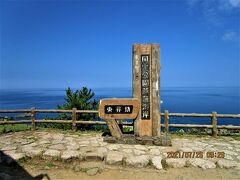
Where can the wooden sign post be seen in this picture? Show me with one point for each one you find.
(144, 108)
(146, 88)
(113, 109)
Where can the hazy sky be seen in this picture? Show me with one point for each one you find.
(56, 44)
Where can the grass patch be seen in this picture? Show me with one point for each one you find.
(23, 160)
(204, 132)
(50, 165)
(14, 128)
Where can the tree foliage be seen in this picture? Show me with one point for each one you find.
(82, 100)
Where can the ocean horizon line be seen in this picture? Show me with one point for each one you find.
(122, 87)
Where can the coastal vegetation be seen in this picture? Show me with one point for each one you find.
(82, 99)
(14, 128)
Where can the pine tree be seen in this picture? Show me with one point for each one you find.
(82, 100)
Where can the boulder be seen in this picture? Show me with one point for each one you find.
(157, 162)
(70, 154)
(114, 158)
(223, 163)
(202, 163)
(51, 154)
(137, 161)
(176, 163)
(94, 156)
(92, 171)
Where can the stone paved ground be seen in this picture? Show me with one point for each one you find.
(67, 147)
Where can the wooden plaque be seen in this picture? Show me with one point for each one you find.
(146, 88)
(119, 108)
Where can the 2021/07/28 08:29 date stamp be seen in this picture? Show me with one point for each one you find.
(198, 154)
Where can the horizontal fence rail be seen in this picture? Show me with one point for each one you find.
(32, 113)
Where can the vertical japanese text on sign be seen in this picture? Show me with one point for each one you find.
(145, 87)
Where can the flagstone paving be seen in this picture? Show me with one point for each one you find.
(68, 147)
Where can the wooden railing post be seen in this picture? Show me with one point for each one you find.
(74, 119)
(214, 124)
(166, 122)
(33, 116)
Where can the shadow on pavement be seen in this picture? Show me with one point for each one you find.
(11, 169)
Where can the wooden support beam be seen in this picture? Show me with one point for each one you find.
(114, 128)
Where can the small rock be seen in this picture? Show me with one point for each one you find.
(223, 163)
(71, 147)
(163, 141)
(114, 158)
(58, 137)
(92, 171)
(137, 161)
(57, 147)
(32, 152)
(47, 168)
(70, 154)
(51, 153)
(202, 163)
(91, 156)
(157, 162)
(176, 163)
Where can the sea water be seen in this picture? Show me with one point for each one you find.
(223, 100)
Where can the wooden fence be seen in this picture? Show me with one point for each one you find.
(214, 116)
